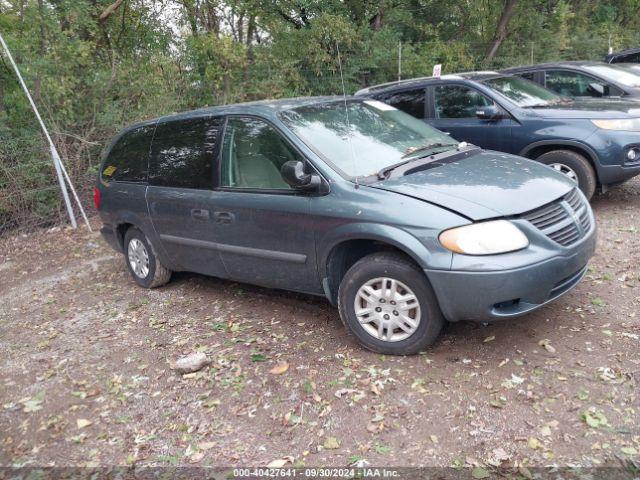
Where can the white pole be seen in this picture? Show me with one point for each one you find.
(54, 152)
(400, 60)
(73, 190)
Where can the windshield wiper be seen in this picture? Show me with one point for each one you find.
(427, 146)
(384, 173)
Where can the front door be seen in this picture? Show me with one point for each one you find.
(264, 231)
(454, 112)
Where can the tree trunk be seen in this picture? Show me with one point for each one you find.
(501, 29)
(2, 107)
(37, 83)
(376, 21)
(226, 87)
(190, 10)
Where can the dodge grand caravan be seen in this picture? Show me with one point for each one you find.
(398, 225)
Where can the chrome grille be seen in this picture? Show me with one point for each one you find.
(564, 221)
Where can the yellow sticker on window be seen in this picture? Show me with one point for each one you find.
(107, 172)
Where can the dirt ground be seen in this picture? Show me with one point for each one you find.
(85, 375)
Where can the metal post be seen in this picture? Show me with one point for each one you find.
(532, 52)
(54, 152)
(400, 60)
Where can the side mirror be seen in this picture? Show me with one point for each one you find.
(491, 112)
(293, 173)
(597, 88)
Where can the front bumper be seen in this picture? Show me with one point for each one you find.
(498, 294)
(611, 147)
(613, 174)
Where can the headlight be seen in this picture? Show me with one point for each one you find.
(486, 238)
(623, 124)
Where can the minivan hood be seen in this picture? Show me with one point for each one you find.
(590, 109)
(485, 185)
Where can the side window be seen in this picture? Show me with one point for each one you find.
(182, 154)
(573, 84)
(629, 58)
(452, 101)
(528, 76)
(410, 101)
(253, 154)
(127, 160)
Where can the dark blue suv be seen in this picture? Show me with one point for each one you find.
(594, 142)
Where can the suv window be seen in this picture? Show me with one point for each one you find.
(182, 154)
(127, 160)
(573, 84)
(409, 101)
(528, 76)
(453, 101)
(629, 58)
(253, 154)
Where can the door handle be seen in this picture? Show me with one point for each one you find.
(200, 214)
(224, 217)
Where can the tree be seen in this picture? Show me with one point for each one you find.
(501, 29)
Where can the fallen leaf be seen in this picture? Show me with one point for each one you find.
(196, 457)
(33, 404)
(434, 438)
(480, 473)
(280, 368)
(331, 443)
(280, 462)
(343, 391)
(547, 346)
(489, 339)
(83, 422)
(533, 443)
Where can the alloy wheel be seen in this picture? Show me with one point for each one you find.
(138, 258)
(565, 170)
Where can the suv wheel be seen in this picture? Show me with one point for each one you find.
(574, 166)
(143, 263)
(388, 304)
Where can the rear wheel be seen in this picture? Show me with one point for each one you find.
(142, 261)
(574, 166)
(386, 302)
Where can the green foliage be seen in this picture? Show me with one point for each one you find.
(145, 58)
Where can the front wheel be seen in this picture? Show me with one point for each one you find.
(143, 263)
(574, 166)
(386, 302)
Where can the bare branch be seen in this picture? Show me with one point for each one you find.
(110, 10)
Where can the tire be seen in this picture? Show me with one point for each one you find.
(388, 265)
(155, 273)
(580, 166)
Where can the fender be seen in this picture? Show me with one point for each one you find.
(591, 154)
(397, 237)
(145, 226)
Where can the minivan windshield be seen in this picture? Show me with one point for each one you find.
(523, 92)
(363, 138)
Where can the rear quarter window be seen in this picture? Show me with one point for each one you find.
(183, 153)
(127, 161)
(409, 101)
